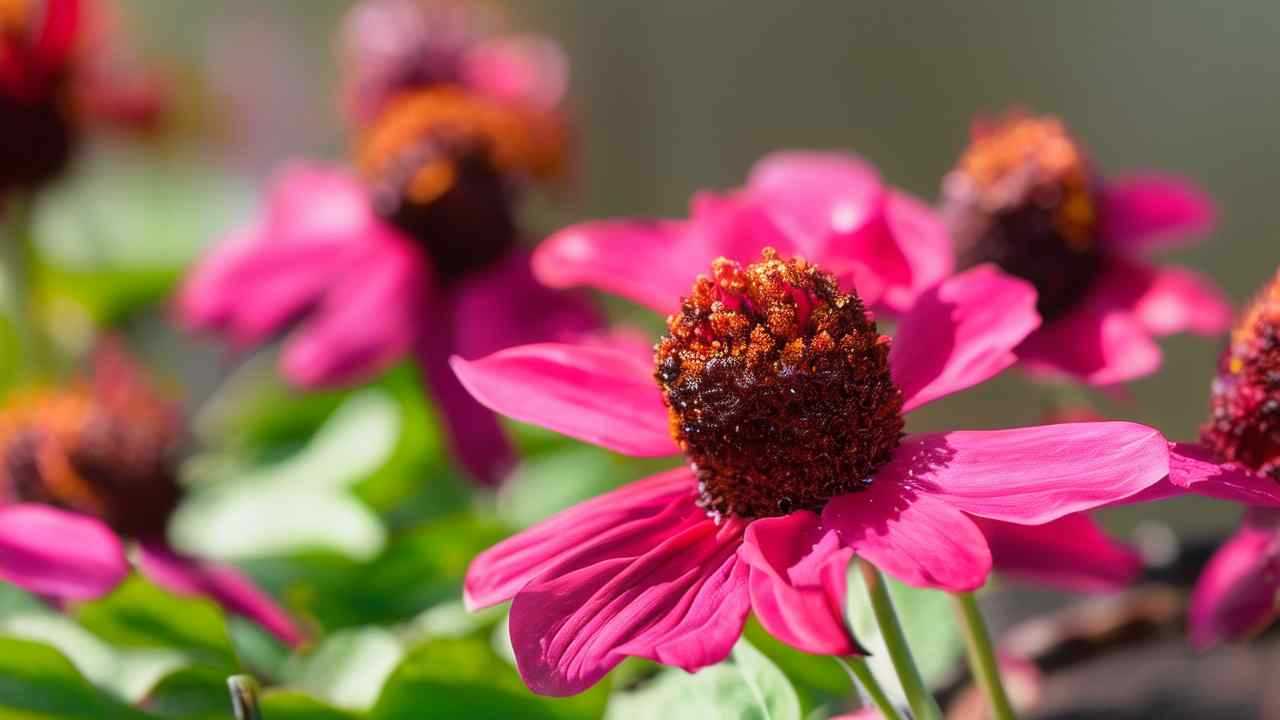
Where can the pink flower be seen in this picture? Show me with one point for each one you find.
(1238, 459)
(391, 46)
(788, 406)
(1024, 196)
(363, 293)
(90, 469)
(831, 208)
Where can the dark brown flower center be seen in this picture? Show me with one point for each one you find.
(108, 457)
(1244, 400)
(1023, 197)
(37, 129)
(778, 388)
(443, 164)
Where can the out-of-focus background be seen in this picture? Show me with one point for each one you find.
(667, 97)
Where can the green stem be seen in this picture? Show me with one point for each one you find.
(20, 262)
(866, 679)
(982, 660)
(244, 697)
(923, 705)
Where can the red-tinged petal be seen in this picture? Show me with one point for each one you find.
(1236, 594)
(620, 523)
(917, 538)
(1152, 210)
(368, 320)
(960, 333)
(1195, 468)
(60, 26)
(677, 596)
(798, 582)
(1093, 344)
(58, 554)
(505, 306)
(522, 69)
(220, 583)
(596, 394)
(475, 436)
(1034, 475)
(646, 261)
(1071, 553)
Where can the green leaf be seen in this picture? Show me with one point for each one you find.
(418, 569)
(139, 614)
(293, 705)
(745, 687)
(38, 683)
(464, 678)
(193, 693)
(349, 668)
(560, 477)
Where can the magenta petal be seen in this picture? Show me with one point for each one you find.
(1152, 210)
(1098, 345)
(596, 394)
(368, 320)
(648, 262)
(1178, 300)
(960, 333)
(504, 306)
(917, 538)
(925, 244)
(1036, 474)
(798, 583)
(222, 584)
(1237, 593)
(675, 594)
(523, 69)
(1071, 553)
(59, 554)
(1196, 468)
(617, 523)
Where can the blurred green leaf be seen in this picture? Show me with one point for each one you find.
(810, 672)
(38, 683)
(745, 687)
(418, 569)
(293, 705)
(139, 614)
(464, 678)
(928, 619)
(192, 693)
(349, 668)
(563, 475)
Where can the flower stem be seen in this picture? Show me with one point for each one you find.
(865, 679)
(982, 660)
(244, 697)
(19, 260)
(923, 704)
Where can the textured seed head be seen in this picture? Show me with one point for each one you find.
(778, 388)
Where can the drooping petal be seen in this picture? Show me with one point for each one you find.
(475, 436)
(220, 583)
(1151, 210)
(1033, 475)
(1071, 553)
(617, 523)
(596, 394)
(677, 596)
(368, 320)
(918, 538)
(505, 306)
(1236, 594)
(646, 261)
(1097, 345)
(961, 332)
(798, 582)
(59, 554)
(522, 69)
(1195, 468)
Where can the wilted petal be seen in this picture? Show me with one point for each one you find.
(59, 554)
